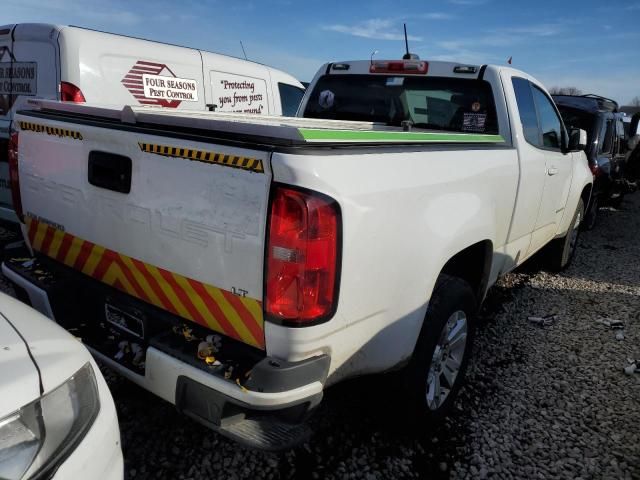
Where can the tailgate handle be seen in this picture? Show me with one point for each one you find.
(110, 171)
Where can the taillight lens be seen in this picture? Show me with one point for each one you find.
(70, 93)
(595, 169)
(14, 177)
(302, 257)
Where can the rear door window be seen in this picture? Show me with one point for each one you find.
(290, 98)
(436, 103)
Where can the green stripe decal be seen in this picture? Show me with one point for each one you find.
(370, 136)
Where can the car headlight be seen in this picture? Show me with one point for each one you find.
(37, 438)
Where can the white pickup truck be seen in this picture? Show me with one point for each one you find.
(237, 266)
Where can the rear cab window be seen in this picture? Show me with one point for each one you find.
(435, 103)
(290, 97)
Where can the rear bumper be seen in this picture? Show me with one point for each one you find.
(271, 389)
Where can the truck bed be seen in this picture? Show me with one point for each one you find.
(262, 130)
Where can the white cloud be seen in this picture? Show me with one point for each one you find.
(459, 51)
(435, 16)
(376, 28)
(537, 30)
(505, 37)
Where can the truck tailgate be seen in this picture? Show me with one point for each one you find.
(177, 223)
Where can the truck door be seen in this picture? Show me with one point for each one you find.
(532, 164)
(558, 168)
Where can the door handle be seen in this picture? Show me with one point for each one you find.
(552, 171)
(110, 171)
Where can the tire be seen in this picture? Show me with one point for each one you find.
(591, 217)
(452, 304)
(561, 251)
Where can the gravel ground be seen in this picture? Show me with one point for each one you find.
(541, 402)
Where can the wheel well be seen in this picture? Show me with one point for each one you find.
(473, 264)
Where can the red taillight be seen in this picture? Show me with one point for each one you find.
(302, 257)
(595, 169)
(70, 93)
(14, 177)
(399, 66)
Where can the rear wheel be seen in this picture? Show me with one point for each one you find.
(437, 368)
(561, 251)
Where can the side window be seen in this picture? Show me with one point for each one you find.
(527, 109)
(550, 123)
(620, 137)
(606, 142)
(290, 97)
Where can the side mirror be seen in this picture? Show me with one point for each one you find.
(577, 140)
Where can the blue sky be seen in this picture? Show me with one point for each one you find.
(592, 45)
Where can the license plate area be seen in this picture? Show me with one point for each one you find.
(125, 318)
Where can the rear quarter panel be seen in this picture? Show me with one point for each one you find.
(581, 179)
(405, 213)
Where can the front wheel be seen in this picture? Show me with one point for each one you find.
(436, 371)
(562, 250)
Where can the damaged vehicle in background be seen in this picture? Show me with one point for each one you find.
(57, 417)
(606, 148)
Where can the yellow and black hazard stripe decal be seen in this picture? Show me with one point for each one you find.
(55, 131)
(233, 161)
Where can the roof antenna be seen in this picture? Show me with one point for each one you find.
(408, 56)
(375, 52)
(245, 53)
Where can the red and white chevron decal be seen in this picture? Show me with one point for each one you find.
(133, 82)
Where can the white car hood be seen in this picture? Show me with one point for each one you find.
(57, 353)
(19, 382)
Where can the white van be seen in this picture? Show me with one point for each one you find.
(77, 64)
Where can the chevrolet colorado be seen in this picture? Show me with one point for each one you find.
(236, 266)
